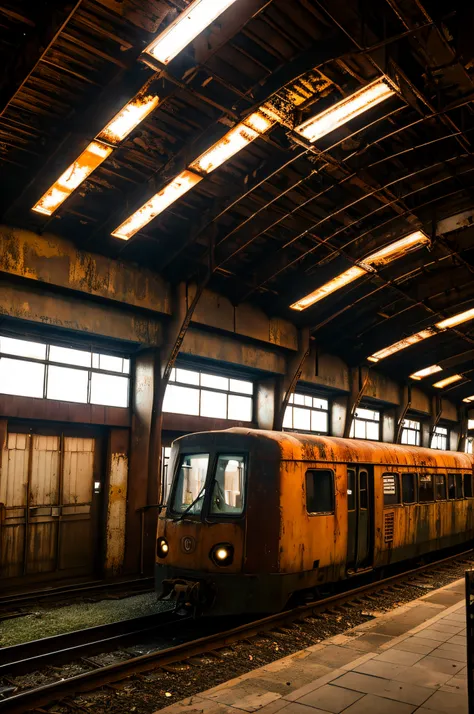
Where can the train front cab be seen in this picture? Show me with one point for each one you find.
(217, 541)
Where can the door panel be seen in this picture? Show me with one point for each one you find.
(76, 536)
(13, 494)
(43, 494)
(48, 518)
(360, 518)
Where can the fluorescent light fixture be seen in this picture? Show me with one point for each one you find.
(74, 175)
(188, 25)
(335, 284)
(426, 372)
(456, 319)
(396, 250)
(157, 204)
(345, 110)
(231, 143)
(469, 399)
(128, 118)
(449, 380)
(402, 344)
(381, 257)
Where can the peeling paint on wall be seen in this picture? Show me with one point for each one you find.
(116, 513)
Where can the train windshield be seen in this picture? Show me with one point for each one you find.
(228, 486)
(190, 487)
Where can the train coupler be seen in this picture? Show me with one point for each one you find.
(190, 596)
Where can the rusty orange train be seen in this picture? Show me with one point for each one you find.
(254, 517)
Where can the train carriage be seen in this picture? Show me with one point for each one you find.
(256, 516)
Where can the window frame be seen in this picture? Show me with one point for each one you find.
(432, 500)
(174, 486)
(47, 362)
(366, 421)
(438, 475)
(398, 493)
(414, 475)
(468, 475)
(333, 492)
(199, 388)
(292, 405)
(208, 515)
(415, 430)
(437, 435)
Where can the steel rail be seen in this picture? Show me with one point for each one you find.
(44, 695)
(18, 600)
(30, 656)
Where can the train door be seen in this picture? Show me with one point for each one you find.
(49, 497)
(360, 518)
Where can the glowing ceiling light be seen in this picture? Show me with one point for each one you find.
(449, 380)
(128, 118)
(402, 344)
(335, 284)
(426, 372)
(456, 319)
(234, 141)
(74, 175)
(396, 250)
(188, 25)
(157, 204)
(469, 399)
(345, 110)
(381, 257)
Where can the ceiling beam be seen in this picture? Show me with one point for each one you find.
(50, 18)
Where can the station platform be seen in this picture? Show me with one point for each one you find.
(412, 659)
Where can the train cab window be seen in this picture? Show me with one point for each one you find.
(391, 489)
(467, 485)
(440, 487)
(409, 488)
(320, 491)
(351, 494)
(454, 486)
(188, 495)
(426, 489)
(228, 488)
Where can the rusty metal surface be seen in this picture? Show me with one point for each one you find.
(47, 492)
(116, 503)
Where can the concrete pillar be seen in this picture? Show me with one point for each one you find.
(388, 426)
(339, 406)
(117, 484)
(266, 404)
(142, 408)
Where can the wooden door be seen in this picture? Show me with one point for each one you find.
(49, 523)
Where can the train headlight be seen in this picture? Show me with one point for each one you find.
(162, 548)
(222, 554)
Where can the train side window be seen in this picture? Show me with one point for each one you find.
(426, 490)
(467, 485)
(440, 487)
(351, 495)
(459, 490)
(409, 488)
(391, 489)
(320, 491)
(451, 485)
(363, 496)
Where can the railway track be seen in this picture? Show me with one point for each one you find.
(96, 678)
(13, 603)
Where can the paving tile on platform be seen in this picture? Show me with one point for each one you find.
(440, 664)
(398, 691)
(371, 704)
(399, 657)
(331, 698)
(447, 702)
